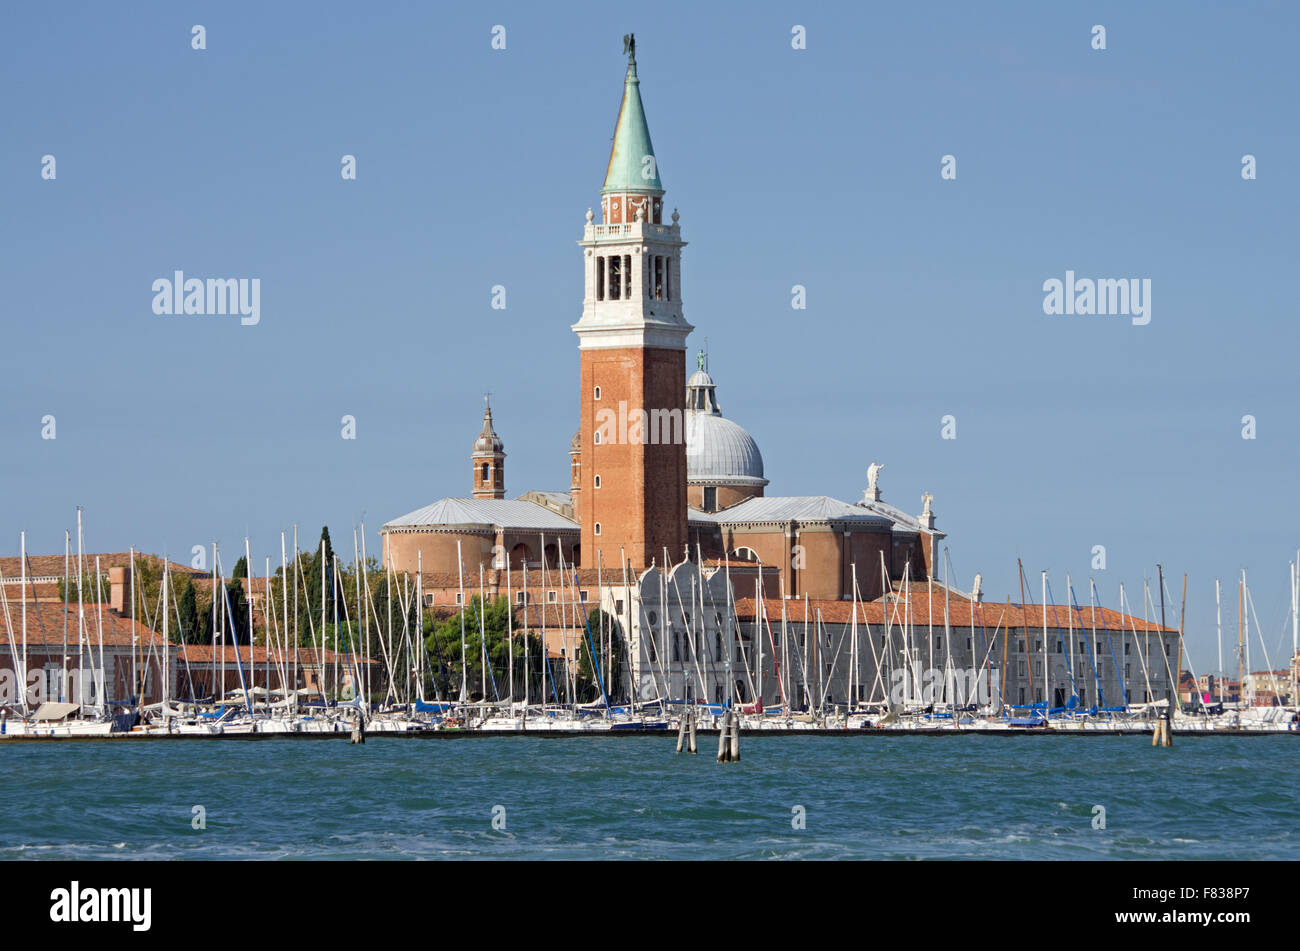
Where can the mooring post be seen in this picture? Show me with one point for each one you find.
(359, 727)
(723, 752)
(692, 729)
(681, 732)
(735, 739)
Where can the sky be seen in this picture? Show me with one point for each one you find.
(818, 167)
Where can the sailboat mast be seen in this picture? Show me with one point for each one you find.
(460, 580)
(510, 638)
(1047, 693)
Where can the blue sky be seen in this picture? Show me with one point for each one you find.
(817, 167)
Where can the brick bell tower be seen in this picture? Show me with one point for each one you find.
(489, 461)
(631, 458)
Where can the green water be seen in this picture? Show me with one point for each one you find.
(631, 797)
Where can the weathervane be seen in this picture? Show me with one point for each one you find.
(629, 46)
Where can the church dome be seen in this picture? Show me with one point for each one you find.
(718, 451)
(721, 452)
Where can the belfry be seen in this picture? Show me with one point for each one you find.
(631, 480)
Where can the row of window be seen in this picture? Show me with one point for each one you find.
(614, 277)
(521, 597)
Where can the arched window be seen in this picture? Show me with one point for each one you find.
(485, 472)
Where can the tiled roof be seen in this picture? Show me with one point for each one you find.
(45, 622)
(797, 508)
(924, 612)
(509, 514)
(52, 565)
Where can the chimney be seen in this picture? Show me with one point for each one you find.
(117, 590)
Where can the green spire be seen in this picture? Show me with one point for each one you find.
(632, 165)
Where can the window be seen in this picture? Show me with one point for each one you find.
(1126, 649)
(600, 278)
(485, 472)
(595, 393)
(596, 528)
(520, 598)
(652, 617)
(627, 277)
(658, 277)
(428, 600)
(615, 277)
(938, 643)
(550, 596)
(710, 499)
(595, 437)
(583, 596)
(618, 606)
(460, 598)
(1059, 649)
(968, 643)
(596, 482)
(668, 282)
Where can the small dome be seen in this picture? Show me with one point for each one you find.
(488, 440)
(700, 378)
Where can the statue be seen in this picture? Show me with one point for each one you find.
(700, 359)
(976, 594)
(873, 475)
(926, 499)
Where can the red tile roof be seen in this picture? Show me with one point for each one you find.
(926, 611)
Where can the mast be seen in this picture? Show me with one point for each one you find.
(1246, 643)
(252, 657)
(293, 678)
(135, 666)
(22, 590)
(1047, 693)
(1218, 623)
(460, 575)
(527, 652)
(1024, 623)
(510, 638)
(419, 623)
(67, 557)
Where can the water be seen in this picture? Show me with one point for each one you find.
(630, 797)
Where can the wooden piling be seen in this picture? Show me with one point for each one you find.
(735, 738)
(681, 732)
(692, 729)
(358, 728)
(724, 753)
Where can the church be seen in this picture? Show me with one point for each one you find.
(658, 474)
(718, 588)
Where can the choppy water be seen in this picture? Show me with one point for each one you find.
(631, 797)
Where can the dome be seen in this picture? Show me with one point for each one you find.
(488, 440)
(718, 451)
(721, 452)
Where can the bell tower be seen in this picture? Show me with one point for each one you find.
(489, 460)
(632, 351)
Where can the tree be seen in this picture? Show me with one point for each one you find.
(588, 682)
(191, 626)
(444, 649)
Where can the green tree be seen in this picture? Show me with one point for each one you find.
(444, 650)
(588, 682)
(192, 629)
